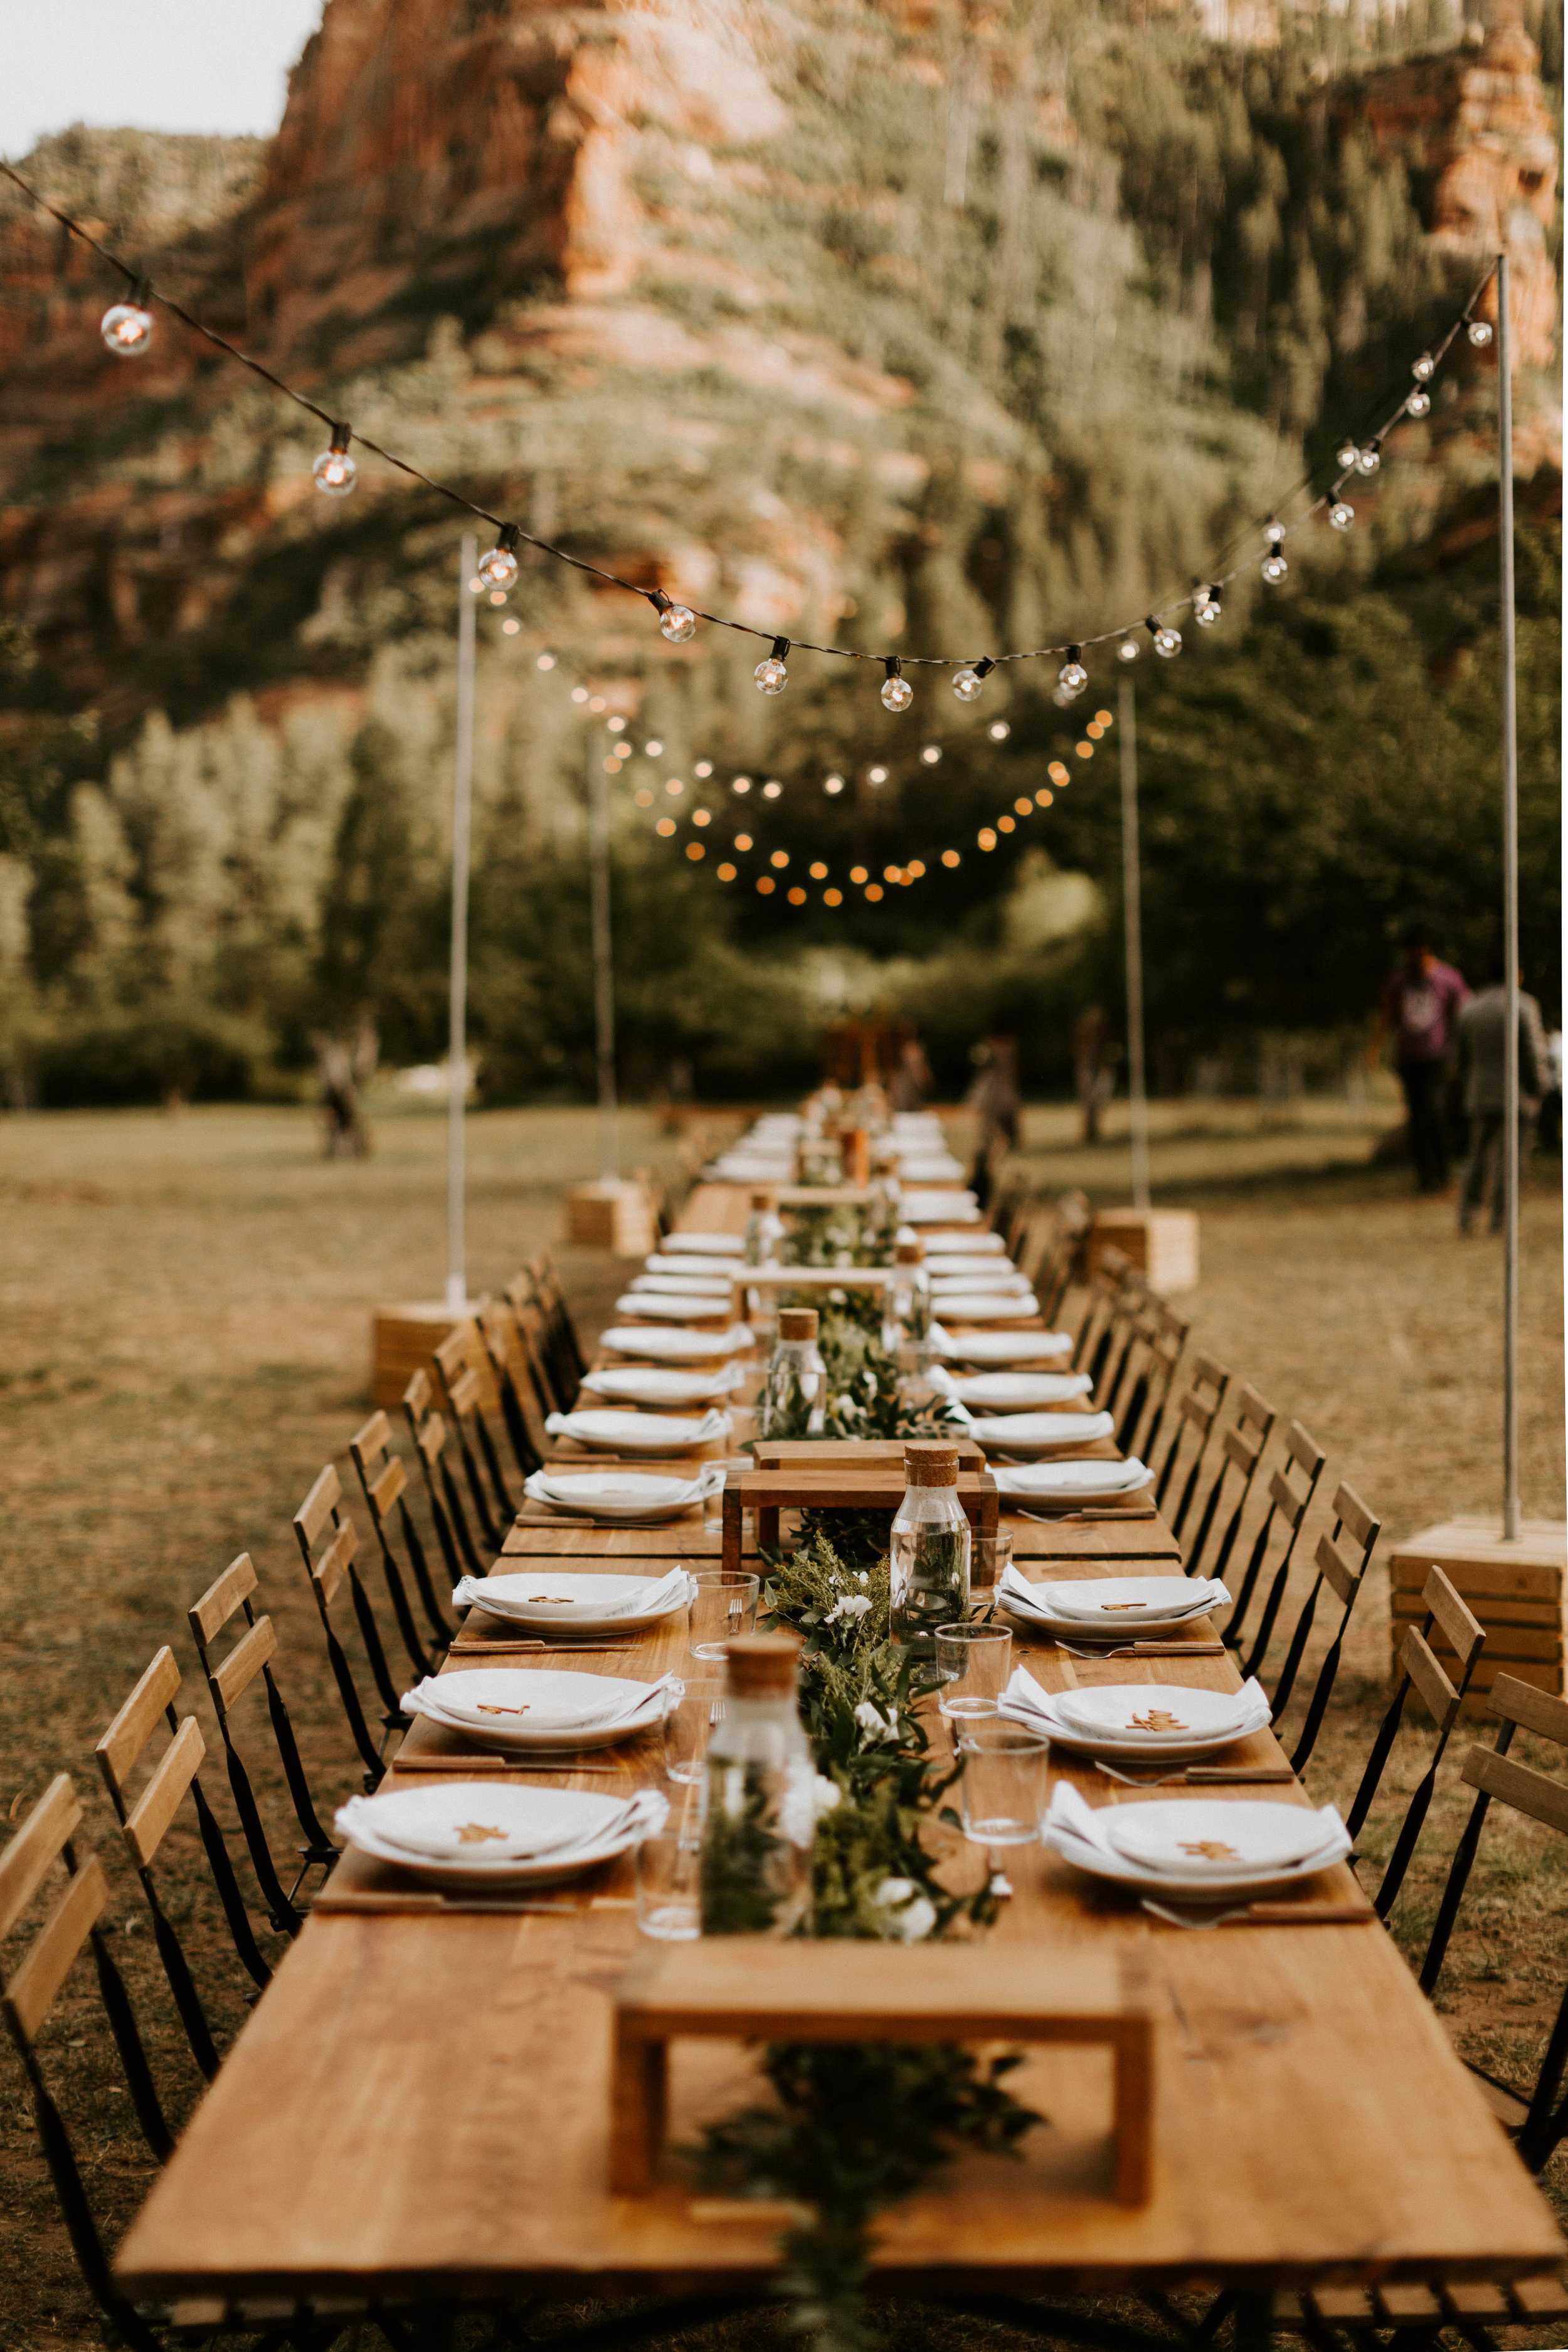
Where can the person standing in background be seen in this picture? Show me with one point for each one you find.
(1420, 1004)
(1482, 1032)
(993, 1098)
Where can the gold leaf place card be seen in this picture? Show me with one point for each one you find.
(1210, 1849)
(554, 1599)
(1157, 1720)
(485, 1709)
(1110, 1607)
(476, 1834)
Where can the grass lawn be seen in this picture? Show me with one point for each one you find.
(186, 1301)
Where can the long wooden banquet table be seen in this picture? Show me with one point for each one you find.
(420, 2104)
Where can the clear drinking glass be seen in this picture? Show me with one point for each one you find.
(723, 1605)
(990, 1555)
(689, 1725)
(1002, 1796)
(973, 1663)
(669, 1887)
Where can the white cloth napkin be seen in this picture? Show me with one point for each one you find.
(610, 1380)
(1027, 1702)
(712, 1425)
(1029, 1600)
(705, 1244)
(1026, 1433)
(439, 1698)
(558, 1495)
(430, 1823)
(645, 1599)
(684, 1285)
(1071, 1824)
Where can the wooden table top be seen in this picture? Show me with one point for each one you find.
(422, 2101)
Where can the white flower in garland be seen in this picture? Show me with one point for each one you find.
(911, 1916)
(848, 1604)
(874, 1723)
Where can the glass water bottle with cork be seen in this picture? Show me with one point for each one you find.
(759, 1796)
(794, 1402)
(929, 1556)
(906, 1310)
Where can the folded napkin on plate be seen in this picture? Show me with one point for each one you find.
(1071, 1824)
(1026, 1701)
(622, 1381)
(685, 1286)
(1023, 1432)
(563, 1490)
(650, 1599)
(706, 1244)
(498, 1824)
(673, 1305)
(1030, 1598)
(712, 1426)
(442, 1699)
(1064, 1482)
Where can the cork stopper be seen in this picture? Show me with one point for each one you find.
(909, 1253)
(760, 1665)
(761, 1200)
(797, 1322)
(930, 1465)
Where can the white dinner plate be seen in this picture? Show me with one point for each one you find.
(673, 1306)
(684, 1285)
(1155, 1713)
(986, 1305)
(1101, 1860)
(1006, 1393)
(534, 1710)
(1040, 1432)
(1113, 1601)
(996, 1282)
(675, 1347)
(1002, 1346)
(652, 1384)
(1027, 1601)
(1189, 1838)
(616, 1494)
(939, 1209)
(557, 1603)
(473, 1804)
(704, 1244)
(1027, 1702)
(690, 1263)
(640, 1432)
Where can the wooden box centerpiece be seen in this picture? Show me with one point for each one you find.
(840, 1475)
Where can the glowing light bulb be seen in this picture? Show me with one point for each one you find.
(509, 628)
(875, 775)
(127, 328)
(1418, 404)
(334, 471)
(1371, 459)
(498, 568)
(930, 753)
(1342, 514)
(1346, 455)
(678, 623)
(703, 768)
(651, 751)
(998, 730)
(1167, 640)
(1073, 678)
(771, 788)
(771, 676)
(966, 684)
(1424, 368)
(741, 784)
(897, 692)
(834, 784)
(1205, 608)
(950, 857)
(498, 595)
(546, 661)
(1480, 333)
(1274, 567)
(1128, 650)
(617, 724)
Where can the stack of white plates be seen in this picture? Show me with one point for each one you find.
(1195, 1849)
(921, 1167)
(554, 1600)
(1133, 1719)
(520, 1710)
(716, 1286)
(640, 1432)
(675, 1347)
(651, 1384)
(986, 1305)
(674, 1306)
(482, 1836)
(618, 1494)
(688, 1263)
(1075, 1481)
(704, 1244)
(959, 1266)
(1110, 1608)
(1040, 1432)
(1000, 1347)
(939, 1209)
(996, 1279)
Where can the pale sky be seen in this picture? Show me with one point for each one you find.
(149, 65)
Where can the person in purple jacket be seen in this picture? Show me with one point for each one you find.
(1420, 1006)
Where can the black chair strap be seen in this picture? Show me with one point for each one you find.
(279, 1910)
(182, 1984)
(228, 1886)
(132, 2051)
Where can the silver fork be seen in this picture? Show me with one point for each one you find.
(1136, 1649)
(1186, 1919)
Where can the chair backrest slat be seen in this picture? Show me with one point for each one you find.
(27, 1861)
(1532, 1709)
(149, 1819)
(233, 1677)
(1348, 1508)
(1289, 1505)
(335, 1561)
(1518, 1785)
(1304, 1448)
(1427, 1675)
(1465, 1634)
(217, 1605)
(319, 1505)
(1336, 1569)
(132, 1729)
(31, 1992)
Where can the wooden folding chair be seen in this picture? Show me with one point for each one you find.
(1067, 1229)
(145, 1820)
(1537, 2119)
(1344, 1574)
(1197, 1410)
(227, 1680)
(1286, 1510)
(540, 1271)
(508, 1351)
(384, 1483)
(464, 1401)
(322, 1513)
(1163, 1335)
(428, 1431)
(1241, 1449)
(1109, 1304)
(1421, 1669)
(532, 1330)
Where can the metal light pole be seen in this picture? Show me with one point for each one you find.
(457, 1043)
(1510, 930)
(604, 970)
(1136, 1097)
